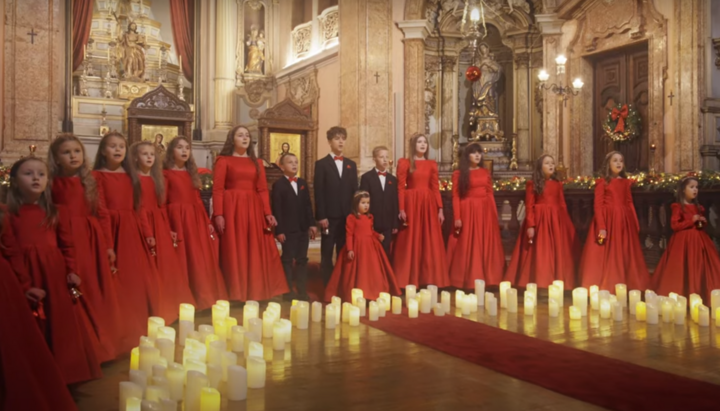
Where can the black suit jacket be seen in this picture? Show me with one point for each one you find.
(293, 212)
(333, 195)
(383, 203)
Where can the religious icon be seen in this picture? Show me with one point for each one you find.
(255, 50)
(132, 52)
(284, 143)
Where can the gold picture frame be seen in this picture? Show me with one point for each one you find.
(277, 140)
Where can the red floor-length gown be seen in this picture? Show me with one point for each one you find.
(476, 253)
(620, 259)
(555, 248)
(369, 271)
(198, 249)
(48, 254)
(249, 257)
(136, 274)
(172, 281)
(98, 284)
(690, 263)
(29, 377)
(419, 254)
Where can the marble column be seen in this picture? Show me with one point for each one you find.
(551, 29)
(415, 32)
(366, 106)
(523, 110)
(448, 116)
(225, 16)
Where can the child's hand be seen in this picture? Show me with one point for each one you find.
(351, 255)
(458, 223)
(272, 222)
(324, 223)
(441, 216)
(150, 242)
(73, 279)
(220, 223)
(703, 219)
(696, 217)
(111, 255)
(313, 232)
(381, 237)
(531, 232)
(35, 295)
(174, 237)
(603, 234)
(402, 215)
(212, 229)
(281, 238)
(394, 230)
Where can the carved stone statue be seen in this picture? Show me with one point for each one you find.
(485, 89)
(132, 49)
(256, 50)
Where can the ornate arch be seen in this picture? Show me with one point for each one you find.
(158, 107)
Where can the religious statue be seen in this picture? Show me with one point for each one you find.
(132, 49)
(485, 89)
(256, 50)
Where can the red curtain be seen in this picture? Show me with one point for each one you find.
(182, 16)
(82, 19)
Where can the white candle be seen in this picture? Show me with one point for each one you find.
(355, 293)
(154, 393)
(330, 317)
(472, 299)
(210, 338)
(166, 332)
(595, 300)
(228, 359)
(148, 357)
(553, 308)
(425, 302)
(668, 310)
(580, 299)
(529, 306)
(438, 310)
(373, 311)
(386, 297)
(175, 375)
(220, 327)
(491, 304)
(255, 349)
(133, 404)
(410, 291)
(196, 381)
(128, 390)
(237, 338)
(159, 370)
(445, 301)
(651, 315)
(382, 305)
(433, 294)
(682, 300)
(396, 305)
(575, 313)
(504, 286)
(153, 324)
(256, 372)
(209, 399)
(278, 336)
(215, 351)
(187, 312)
(480, 292)
(166, 348)
(703, 316)
(146, 342)
(621, 293)
(640, 311)
(362, 305)
(634, 297)
(531, 290)
(714, 302)
(561, 292)
(512, 301)
(288, 329)
(679, 313)
(346, 312)
(717, 317)
(354, 316)
(317, 308)
(605, 309)
(412, 308)
(465, 304)
(617, 311)
(303, 315)
(250, 311)
(135, 358)
(220, 312)
(237, 383)
(269, 318)
(138, 377)
(205, 330)
(554, 294)
(255, 325)
(185, 328)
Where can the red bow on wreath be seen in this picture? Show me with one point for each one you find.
(620, 116)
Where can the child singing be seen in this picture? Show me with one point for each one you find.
(46, 246)
(188, 218)
(383, 189)
(362, 263)
(474, 250)
(547, 246)
(172, 280)
(612, 252)
(690, 263)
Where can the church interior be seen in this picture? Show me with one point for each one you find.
(576, 81)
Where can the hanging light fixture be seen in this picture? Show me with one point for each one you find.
(563, 92)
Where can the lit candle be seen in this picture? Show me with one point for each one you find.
(346, 312)
(175, 375)
(634, 298)
(220, 327)
(373, 316)
(138, 377)
(603, 295)
(531, 290)
(237, 383)
(679, 313)
(561, 292)
(480, 292)
(133, 404)
(640, 311)
(382, 305)
(504, 286)
(703, 315)
(186, 327)
(425, 301)
(255, 349)
(465, 304)
(667, 310)
(491, 305)
(209, 399)
(148, 357)
(651, 297)
(433, 294)
(187, 312)
(714, 302)
(412, 308)
(214, 374)
(354, 316)
(269, 319)
(717, 317)
(237, 341)
(472, 299)
(250, 311)
(146, 342)
(205, 330)
(396, 305)
(673, 296)
(617, 311)
(355, 293)
(230, 322)
(554, 294)
(682, 300)
(195, 365)
(362, 305)
(529, 306)
(605, 309)
(152, 325)
(220, 312)
(128, 390)
(445, 300)
(575, 313)
(580, 299)
(317, 308)
(256, 372)
(651, 315)
(553, 308)
(595, 300)
(512, 301)
(303, 315)
(278, 336)
(167, 348)
(135, 358)
(438, 310)
(155, 393)
(330, 317)
(228, 359)
(255, 325)
(621, 293)
(196, 381)
(215, 351)
(210, 338)
(410, 291)
(166, 332)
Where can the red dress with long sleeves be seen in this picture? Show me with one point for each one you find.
(249, 257)
(172, 280)
(126, 230)
(48, 254)
(419, 255)
(476, 252)
(555, 248)
(620, 259)
(690, 263)
(28, 374)
(369, 271)
(98, 284)
(198, 250)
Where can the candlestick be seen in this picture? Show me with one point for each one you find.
(256, 372)
(634, 298)
(354, 316)
(512, 301)
(553, 308)
(529, 306)
(128, 390)
(237, 383)
(396, 305)
(330, 317)
(703, 315)
(317, 308)
(425, 301)
(480, 292)
(196, 381)
(621, 293)
(504, 286)
(640, 311)
(412, 305)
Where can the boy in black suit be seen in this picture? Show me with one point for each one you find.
(292, 208)
(382, 187)
(335, 184)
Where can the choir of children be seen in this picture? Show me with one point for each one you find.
(127, 229)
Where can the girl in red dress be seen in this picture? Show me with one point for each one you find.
(41, 233)
(419, 255)
(28, 373)
(612, 253)
(690, 263)
(475, 249)
(362, 263)
(172, 279)
(249, 257)
(188, 218)
(119, 189)
(74, 188)
(547, 246)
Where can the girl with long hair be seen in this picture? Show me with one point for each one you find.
(74, 187)
(45, 244)
(249, 258)
(547, 247)
(195, 235)
(612, 253)
(419, 256)
(172, 279)
(690, 263)
(119, 189)
(474, 249)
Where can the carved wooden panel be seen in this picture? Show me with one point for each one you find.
(158, 107)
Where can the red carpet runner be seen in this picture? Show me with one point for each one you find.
(589, 377)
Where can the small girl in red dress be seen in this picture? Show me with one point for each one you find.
(28, 374)
(249, 257)
(41, 234)
(474, 250)
(119, 189)
(362, 263)
(547, 247)
(612, 253)
(419, 256)
(188, 218)
(74, 188)
(690, 263)
(172, 279)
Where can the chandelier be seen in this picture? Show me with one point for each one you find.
(563, 92)
(476, 30)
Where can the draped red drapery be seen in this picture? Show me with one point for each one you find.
(82, 19)
(182, 16)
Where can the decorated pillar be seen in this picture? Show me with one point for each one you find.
(225, 15)
(415, 32)
(523, 111)
(449, 113)
(553, 144)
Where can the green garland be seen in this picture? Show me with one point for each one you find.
(631, 127)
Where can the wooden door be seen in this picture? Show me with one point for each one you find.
(621, 76)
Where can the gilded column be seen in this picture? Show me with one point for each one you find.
(447, 116)
(224, 63)
(415, 32)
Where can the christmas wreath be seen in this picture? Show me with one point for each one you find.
(622, 123)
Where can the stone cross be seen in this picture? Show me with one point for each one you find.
(32, 35)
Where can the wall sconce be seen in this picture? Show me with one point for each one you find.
(563, 92)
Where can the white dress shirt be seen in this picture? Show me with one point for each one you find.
(382, 178)
(338, 163)
(293, 184)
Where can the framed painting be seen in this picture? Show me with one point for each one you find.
(281, 143)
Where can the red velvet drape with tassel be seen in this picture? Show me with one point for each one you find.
(82, 19)
(182, 16)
